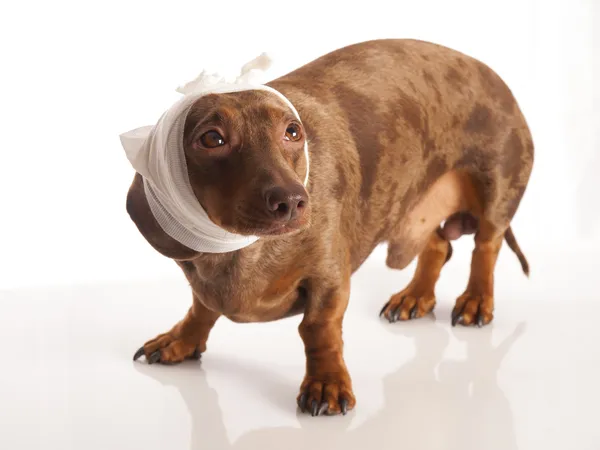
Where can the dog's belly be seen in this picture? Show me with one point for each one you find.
(453, 192)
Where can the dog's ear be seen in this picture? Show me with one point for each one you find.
(139, 211)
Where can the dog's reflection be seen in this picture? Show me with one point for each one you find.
(430, 402)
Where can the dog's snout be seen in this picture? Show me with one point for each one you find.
(286, 204)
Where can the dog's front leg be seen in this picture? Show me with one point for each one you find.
(327, 387)
(186, 340)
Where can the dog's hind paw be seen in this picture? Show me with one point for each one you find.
(408, 305)
(473, 309)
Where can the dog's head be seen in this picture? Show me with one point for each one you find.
(246, 162)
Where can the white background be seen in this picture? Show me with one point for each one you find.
(81, 290)
(76, 74)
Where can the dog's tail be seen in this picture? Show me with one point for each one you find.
(512, 243)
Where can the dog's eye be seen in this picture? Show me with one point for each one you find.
(293, 132)
(212, 139)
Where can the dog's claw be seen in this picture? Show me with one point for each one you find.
(383, 309)
(344, 406)
(154, 357)
(196, 355)
(323, 409)
(138, 354)
(395, 314)
(456, 317)
(314, 408)
(391, 316)
(302, 402)
(413, 312)
(480, 321)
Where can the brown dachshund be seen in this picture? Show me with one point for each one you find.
(410, 143)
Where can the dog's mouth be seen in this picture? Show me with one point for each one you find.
(284, 228)
(253, 227)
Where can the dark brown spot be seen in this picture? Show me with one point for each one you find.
(480, 120)
(425, 57)
(428, 147)
(462, 64)
(365, 129)
(474, 158)
(470, 157)
(454, 78)
(428, 77)
(432, 83)
(511, 157)
(435, 169)
(496, 88)
(481, 165)
(411, 112)
(393, 47)
(341, 184)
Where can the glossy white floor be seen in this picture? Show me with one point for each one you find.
(529, 381)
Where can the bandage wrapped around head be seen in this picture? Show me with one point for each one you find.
(156, 153)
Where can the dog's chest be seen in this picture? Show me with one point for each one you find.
(245, 292)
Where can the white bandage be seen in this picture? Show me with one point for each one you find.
(156, 153)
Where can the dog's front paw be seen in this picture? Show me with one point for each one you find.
(473, 308)
(325, 397)
(168, 349)
(408, 304)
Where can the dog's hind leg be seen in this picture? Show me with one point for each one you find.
(502, 189)
(418, 298)
(476, 304)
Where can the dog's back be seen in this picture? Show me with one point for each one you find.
(392, 117)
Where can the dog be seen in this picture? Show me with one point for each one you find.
(411, 144)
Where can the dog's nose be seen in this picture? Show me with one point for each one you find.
(286, 204)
